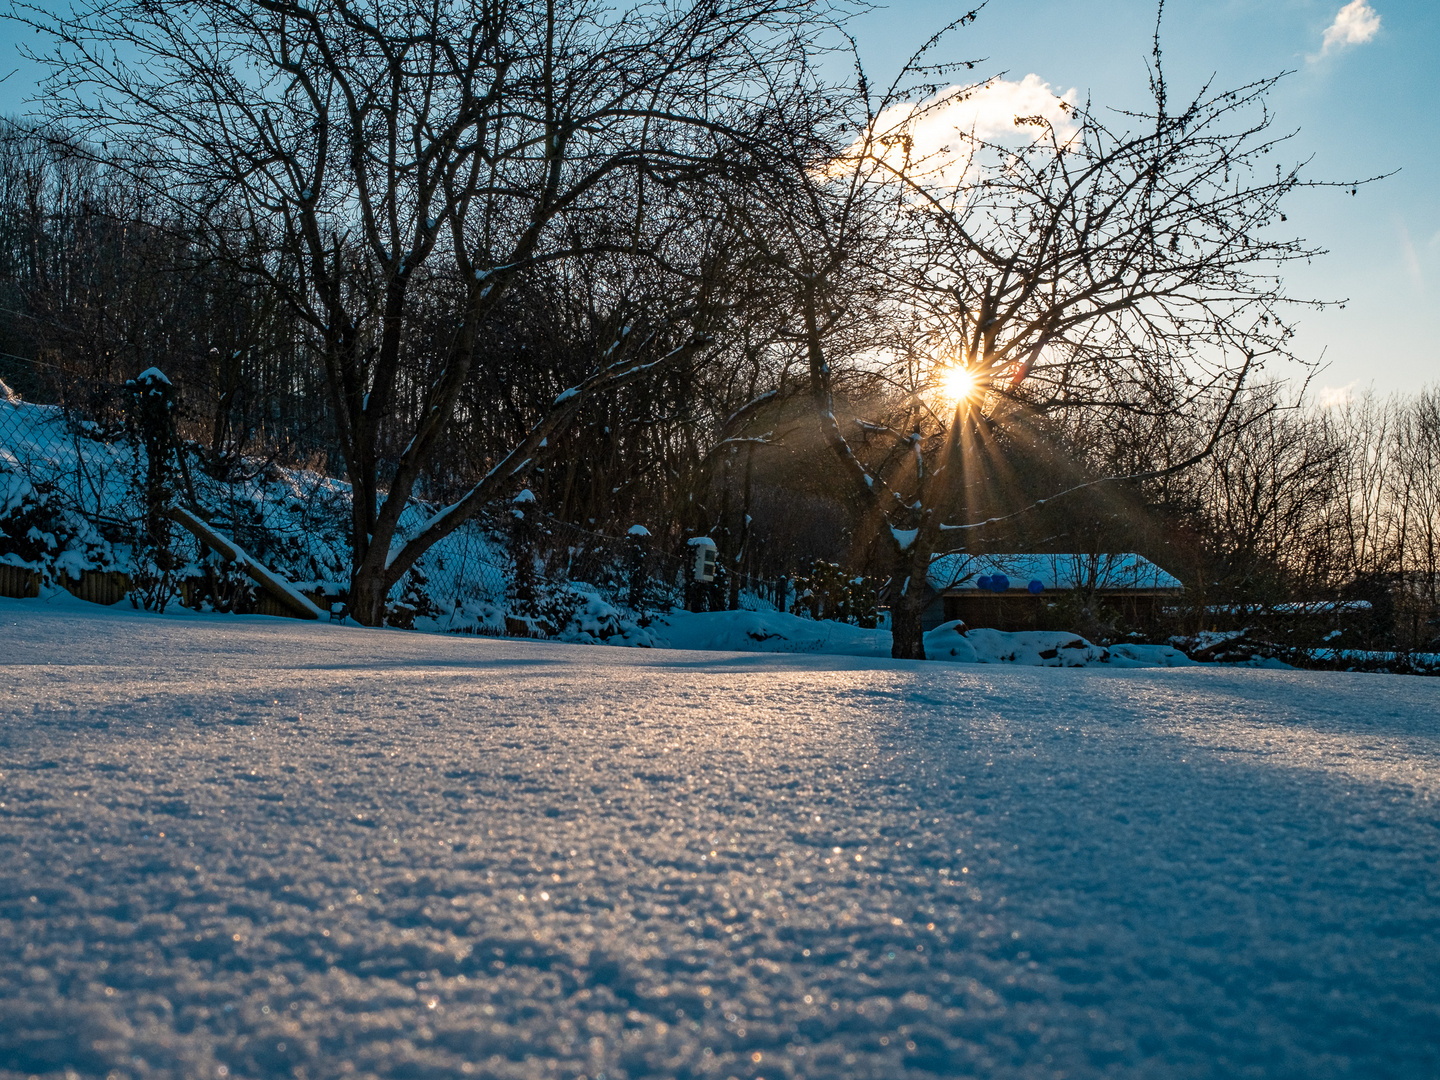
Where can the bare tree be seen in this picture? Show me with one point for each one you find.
(1124, 268)
(1417, 486)
(385, 168)
(1364, 523)
(1409, 517)
(1267, 488)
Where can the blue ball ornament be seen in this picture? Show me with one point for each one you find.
(1037, 586)
(999, 583)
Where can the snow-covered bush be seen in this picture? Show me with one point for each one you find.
(468, 616)
(594, 621)
(829, 592)
(414, 601)
(40, 531)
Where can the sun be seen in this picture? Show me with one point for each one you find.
(958, 384)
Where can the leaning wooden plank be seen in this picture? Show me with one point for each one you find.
(276, 584)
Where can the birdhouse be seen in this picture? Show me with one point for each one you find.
(704, 552)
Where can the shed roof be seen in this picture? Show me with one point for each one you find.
(960, 572)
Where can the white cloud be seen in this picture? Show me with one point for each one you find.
(1355, 24)
(1334, 397)
(992, 112)
(943, 129)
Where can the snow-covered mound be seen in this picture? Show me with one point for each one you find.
(752, 631)
(1042, 648)
(71, 500)
(765, 631)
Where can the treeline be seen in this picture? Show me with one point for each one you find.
(1339, 501)
(98, 286)
(1298, 502)
(1292, 503)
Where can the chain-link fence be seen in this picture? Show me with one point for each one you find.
(72, 457)
(79, 503)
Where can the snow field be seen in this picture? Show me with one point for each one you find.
(245, 847)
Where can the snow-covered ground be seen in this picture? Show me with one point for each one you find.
(247, 847)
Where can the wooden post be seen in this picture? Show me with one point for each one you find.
(277, 585)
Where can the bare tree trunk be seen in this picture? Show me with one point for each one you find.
(368, 594)
(907, 631)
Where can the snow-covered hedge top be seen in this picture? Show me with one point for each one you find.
(960, 572)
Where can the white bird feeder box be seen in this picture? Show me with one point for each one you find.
(705, 552)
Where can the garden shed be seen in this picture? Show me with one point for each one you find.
(1043, 592)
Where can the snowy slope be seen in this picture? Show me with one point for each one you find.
(245, 847)
(294, 521)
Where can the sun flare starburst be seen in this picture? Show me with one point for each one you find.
(957, 384)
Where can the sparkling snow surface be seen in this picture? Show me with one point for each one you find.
(256, 847)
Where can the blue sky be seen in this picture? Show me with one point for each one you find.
(1363, 106)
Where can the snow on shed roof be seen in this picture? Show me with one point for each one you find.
(1127, 570)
